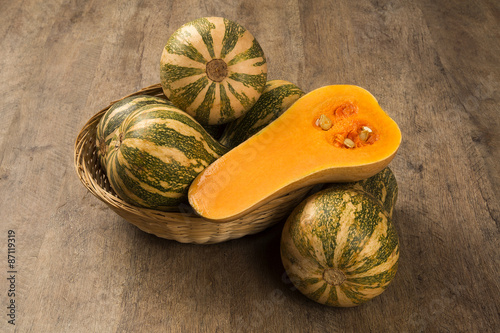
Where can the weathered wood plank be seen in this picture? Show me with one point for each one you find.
(433, 67)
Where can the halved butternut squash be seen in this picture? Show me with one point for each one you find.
(336, 133)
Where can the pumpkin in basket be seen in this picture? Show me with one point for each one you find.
(156, 153)
(115, 115)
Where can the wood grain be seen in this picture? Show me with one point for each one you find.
(433, 66)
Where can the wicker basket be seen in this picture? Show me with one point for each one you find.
(184, 227)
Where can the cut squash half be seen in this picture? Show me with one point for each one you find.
(336, 133)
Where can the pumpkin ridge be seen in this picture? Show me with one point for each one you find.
(124, 182)
(203, 110)
(147, 181)
(179, 44)
(257, 82)
(345, 222)
(226, 112)
(233, 32)
(332, 297)
(242, 98)
(176, 72)
(376, 280)
(388, 248)
(369, 244)
(167, 152)
(376, 260)
(315, 295)
(343, 298)
(185, 96)
(255, 51)
(204, 27)
(129, 185)
(354, 295)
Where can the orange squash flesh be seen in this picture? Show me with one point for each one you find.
(295, 151)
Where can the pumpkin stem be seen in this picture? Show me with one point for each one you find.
(120, 140)
(334, 276)
(216, 70)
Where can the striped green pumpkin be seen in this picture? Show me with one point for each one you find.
(214, 69)
(277, 97)
(339, 247)
(157, 152)
(115, 115)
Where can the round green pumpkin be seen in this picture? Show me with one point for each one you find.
(339, 246)
(214, 69)
(156, 153)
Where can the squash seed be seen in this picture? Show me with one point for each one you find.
(324, 122)
(363, 136)
(365, 133)
(349, 143)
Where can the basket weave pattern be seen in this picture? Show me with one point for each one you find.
(183, 227)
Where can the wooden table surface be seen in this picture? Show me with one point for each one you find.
(433, 65)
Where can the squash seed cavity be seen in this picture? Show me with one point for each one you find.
(344, 129)
(353, 136)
